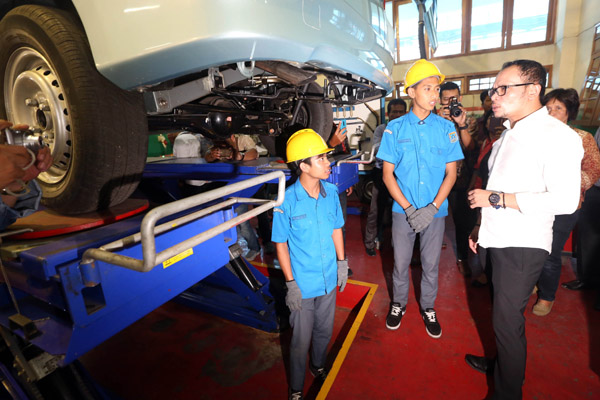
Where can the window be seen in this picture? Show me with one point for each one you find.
(449, 27)
(486, 24)
(481, 83)
(529, 21)
(407, 32)
(468, 26)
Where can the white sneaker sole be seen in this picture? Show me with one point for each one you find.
(433, 336)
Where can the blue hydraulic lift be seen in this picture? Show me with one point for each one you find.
(66, 296)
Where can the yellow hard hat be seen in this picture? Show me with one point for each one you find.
(304, 144)
(420, 70)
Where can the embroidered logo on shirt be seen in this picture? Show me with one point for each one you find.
(388, 131)
(279, 210)
(453, 137)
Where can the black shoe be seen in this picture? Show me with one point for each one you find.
(371, 252)
(432, 326)
(574, 285)
(319, 373)
(481, 364)
(350, 273)
(476, 284)
(395, 316)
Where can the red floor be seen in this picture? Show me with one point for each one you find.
(179, 353)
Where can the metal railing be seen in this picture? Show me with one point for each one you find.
(149, 229)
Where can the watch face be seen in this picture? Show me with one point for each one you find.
(494, 198)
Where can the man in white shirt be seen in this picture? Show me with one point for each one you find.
(535, 172)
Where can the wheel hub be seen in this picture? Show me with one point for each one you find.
(33, 95)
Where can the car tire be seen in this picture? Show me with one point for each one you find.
(97, 132)
(314, 115)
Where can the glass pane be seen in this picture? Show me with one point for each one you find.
(530, 20)
(486, 24)
(449, 27)
(389, 14)
(408, 31)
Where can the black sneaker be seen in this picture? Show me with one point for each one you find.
(319, 373)
(395, 316)
(294, 395)
(431, 323)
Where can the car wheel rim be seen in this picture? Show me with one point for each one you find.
(34, 95)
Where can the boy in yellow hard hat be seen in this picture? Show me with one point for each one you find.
(307, 232)
(419, 150)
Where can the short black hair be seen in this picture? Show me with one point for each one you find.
(484, 95)
(568, 97)
(396, 102)
(449, 86)
(532, 71)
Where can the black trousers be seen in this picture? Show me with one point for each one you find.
(588, 241)
(464, 220)
(515, 272)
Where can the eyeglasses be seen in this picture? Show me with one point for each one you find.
(501, 90)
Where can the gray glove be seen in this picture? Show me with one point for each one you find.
(410, 213)
(342, 274)
(423, 217)
(293, 298)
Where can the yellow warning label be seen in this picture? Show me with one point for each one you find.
(178, 258)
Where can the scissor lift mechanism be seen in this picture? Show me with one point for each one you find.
(69, 296)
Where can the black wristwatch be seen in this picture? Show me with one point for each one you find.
(494, 200)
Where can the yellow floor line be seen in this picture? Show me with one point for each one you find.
(341, 356)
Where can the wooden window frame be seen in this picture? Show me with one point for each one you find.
(507, 26)
(588, 99)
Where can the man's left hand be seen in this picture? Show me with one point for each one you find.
(342, 272)
(338, 136)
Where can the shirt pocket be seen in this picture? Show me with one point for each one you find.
(436, 157)
(300, 222)
(407, 158)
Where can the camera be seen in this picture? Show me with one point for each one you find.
(27, 138)
(454, 107)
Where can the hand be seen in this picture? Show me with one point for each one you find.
(473, 238)
(410, 211)
(423, 217)
(479, 198)
(461, 120)
(293, 298)
(14, 158)
(349, 191)
(342, 271)
(338, 136)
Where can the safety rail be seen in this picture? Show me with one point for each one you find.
(149, 229)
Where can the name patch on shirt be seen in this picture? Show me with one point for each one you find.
(453, 137)
(299, 217)
(404, 140)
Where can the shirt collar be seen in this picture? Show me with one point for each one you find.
(414, 120)
(530, 119)
(302, 194)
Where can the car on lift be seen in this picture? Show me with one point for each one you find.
(94, 77)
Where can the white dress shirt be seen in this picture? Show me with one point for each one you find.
(540, 161)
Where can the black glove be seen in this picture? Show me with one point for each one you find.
(342, 274)
(423, 217)
(293, 298)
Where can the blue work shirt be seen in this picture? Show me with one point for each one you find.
(420, 150)
(306, 224)
(26, 204)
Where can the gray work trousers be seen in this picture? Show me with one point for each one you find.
(431, 239)
(314, 320)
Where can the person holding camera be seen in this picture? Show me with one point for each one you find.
(20, 194)
(463, 216)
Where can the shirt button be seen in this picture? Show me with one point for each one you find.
(421, 183)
